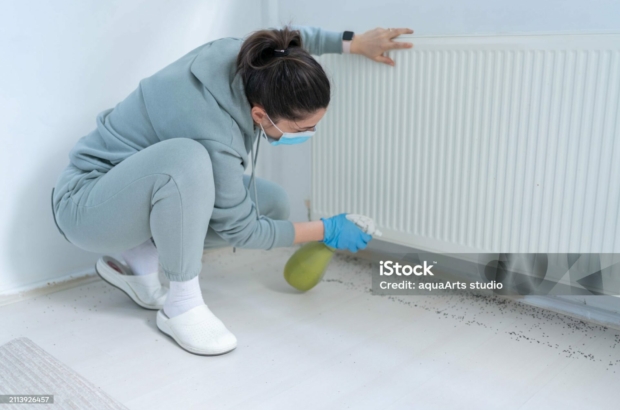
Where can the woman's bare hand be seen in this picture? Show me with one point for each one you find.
(374, 43)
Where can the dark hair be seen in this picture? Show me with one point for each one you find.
(291, 86)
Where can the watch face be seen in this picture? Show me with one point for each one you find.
(347, 35)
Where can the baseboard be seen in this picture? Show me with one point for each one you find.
(49, 286)
(79, 278)
(575, 310)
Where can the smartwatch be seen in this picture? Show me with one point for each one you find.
(347, 36)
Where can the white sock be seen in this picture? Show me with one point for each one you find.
(143, 259)
(182, 297)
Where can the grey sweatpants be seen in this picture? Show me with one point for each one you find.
(165, 192)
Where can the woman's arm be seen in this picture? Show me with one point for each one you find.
(309, 231)
(318, 41)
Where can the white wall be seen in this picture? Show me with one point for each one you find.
(441, 17)
(291, 166)
(62, 63)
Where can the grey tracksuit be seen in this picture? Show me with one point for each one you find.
(168, 162)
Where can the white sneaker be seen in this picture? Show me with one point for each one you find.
(145, 290)
(198, 331)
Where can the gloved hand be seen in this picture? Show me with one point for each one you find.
(341, 233)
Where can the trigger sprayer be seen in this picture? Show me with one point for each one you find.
(307, 266)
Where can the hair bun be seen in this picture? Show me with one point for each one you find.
(291, 88)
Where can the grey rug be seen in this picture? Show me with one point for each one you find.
(25, 368)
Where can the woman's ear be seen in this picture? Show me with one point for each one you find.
(258, 113)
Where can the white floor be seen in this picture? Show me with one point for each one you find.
(335, 347)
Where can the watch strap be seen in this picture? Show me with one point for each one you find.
(347, 36)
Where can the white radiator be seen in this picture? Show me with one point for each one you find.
(477, 143)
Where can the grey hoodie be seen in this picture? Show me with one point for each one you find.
(199, 97)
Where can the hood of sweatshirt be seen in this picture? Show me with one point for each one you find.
(214, 67)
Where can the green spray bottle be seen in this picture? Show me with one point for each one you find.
(307, 266)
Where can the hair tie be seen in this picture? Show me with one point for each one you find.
(280, 53)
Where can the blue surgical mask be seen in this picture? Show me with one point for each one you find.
(288, 138)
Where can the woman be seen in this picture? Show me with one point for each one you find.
(161, 177)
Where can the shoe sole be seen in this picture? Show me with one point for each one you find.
(161, 325)
(134, 297)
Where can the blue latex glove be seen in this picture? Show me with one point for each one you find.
(340, 233)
